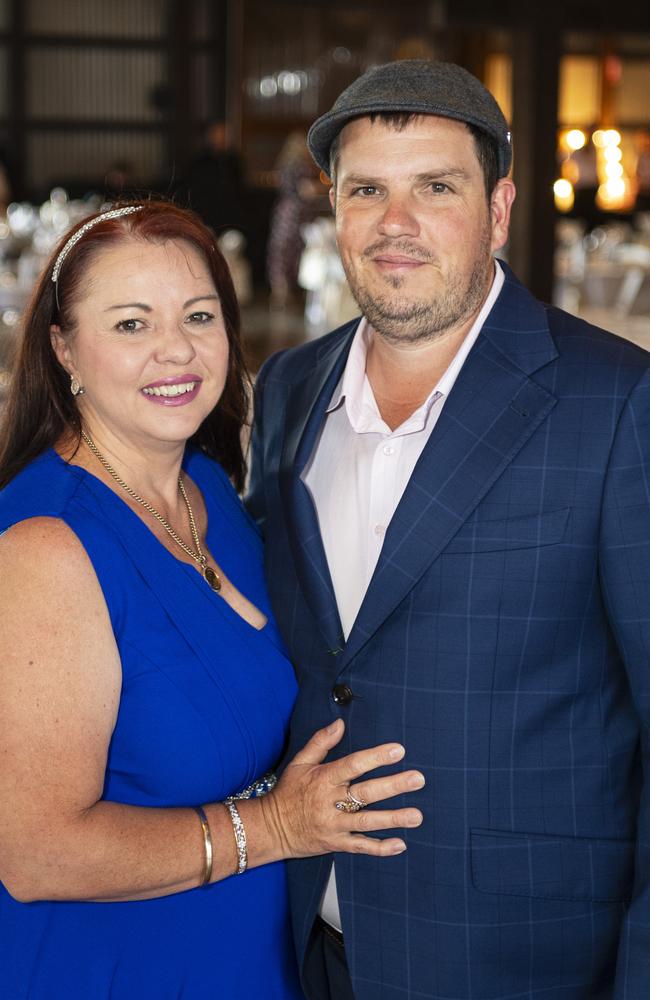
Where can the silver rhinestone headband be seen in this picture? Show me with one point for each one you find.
(114, 213)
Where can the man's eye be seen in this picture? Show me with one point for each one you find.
(129, 325)
(438, 187)
(365, 191)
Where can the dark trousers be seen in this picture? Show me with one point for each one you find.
(325, 971)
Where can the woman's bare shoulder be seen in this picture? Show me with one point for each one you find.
(45, 552)
(50, 537)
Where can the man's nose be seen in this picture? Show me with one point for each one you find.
(398, 218)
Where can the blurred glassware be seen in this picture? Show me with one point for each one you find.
(329, 302)
(232, 244)
(28, 234)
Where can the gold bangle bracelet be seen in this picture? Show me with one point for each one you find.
(207, 844)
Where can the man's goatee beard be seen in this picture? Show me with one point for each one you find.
(405, 320)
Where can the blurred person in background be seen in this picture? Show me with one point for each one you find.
(455, 492)
(144, 688)
(212, 185)
(297, 202)
(642, 171)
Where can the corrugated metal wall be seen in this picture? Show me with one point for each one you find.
(85, 84)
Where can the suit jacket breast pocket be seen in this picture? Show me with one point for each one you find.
(527, 532)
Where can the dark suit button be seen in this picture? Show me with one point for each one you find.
(342, 694)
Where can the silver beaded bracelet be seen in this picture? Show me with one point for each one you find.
(240, 836)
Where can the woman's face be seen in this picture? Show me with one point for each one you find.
(149, 346)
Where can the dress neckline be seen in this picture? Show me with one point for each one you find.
(98, 484)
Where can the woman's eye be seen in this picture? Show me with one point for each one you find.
(201, 317)
(129, 325)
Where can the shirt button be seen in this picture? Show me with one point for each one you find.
(388, 449)
(342, 694)
(379, 529)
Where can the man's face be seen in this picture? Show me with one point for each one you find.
(414, 227)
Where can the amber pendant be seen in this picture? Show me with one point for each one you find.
(212, 578)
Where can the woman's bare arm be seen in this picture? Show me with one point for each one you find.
(60, 679)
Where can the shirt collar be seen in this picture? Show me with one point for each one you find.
(354, 388)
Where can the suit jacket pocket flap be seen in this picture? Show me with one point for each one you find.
(548, 867)
(529, 531)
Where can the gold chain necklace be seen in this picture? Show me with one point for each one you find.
(210, 575)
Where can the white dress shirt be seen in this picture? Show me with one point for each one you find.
(357, 474)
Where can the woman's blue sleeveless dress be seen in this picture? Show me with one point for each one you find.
(204, 710)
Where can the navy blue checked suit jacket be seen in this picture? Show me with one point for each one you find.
(505, 640)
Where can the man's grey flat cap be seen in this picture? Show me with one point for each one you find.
(420, 86)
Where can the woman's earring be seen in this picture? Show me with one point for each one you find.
(76, 387)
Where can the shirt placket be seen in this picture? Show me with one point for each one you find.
(384, 466)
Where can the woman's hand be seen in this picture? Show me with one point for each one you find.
(301, 813)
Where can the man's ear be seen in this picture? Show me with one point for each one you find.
(332, 196)
(500, 205)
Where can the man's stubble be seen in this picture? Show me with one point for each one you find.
(403, 319)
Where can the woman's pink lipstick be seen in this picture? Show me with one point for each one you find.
(177, 390)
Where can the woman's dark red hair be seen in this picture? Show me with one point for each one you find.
(40, 408)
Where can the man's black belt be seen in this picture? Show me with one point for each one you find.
(329, 930)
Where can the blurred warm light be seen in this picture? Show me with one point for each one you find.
(579, 99)
(612, 137)
(575, 139)
(615, 187)
(606, 137)
(498, 79)
(613, 170)
(616, 192)
(563, 194)
(613, 194)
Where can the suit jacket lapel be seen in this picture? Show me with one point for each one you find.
(304, 418)
(491, 412)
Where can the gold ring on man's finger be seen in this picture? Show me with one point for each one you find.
(351, 804)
